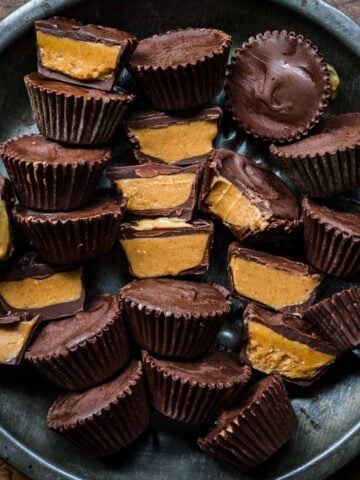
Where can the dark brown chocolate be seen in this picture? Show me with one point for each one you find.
(8, 324)
(194, 392)
(70, 28)
(278, 86)
(185, 210)
(262, 188)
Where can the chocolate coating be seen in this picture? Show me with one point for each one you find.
(278, 86)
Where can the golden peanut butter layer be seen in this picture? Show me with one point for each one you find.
(13, 338)
(173, 143)
(30, 293)
(5, 237)
(162, 191)
(77, 59)
(268, 351)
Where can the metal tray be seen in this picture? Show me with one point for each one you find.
(329, 433)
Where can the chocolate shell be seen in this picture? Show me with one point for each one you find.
(332, 238)
(337, 318)
(66, 28)
(82, 351)
(251, 433)
(16, 331)
(194, 392)
(326, 163)
(181, 68)
(273, 206)
(64, 238)
(7, 200)
(278, 86)
(53, 172)
(60, 108)
(105, 418)
(174, 317)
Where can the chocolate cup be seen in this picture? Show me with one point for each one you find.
(329, 247)
(72, 239)
(181, 86)
(337, 318)
(174, 335)
(52, 186)
(248, 435)
(112, 427)
(60, 115)
(88, 362)
(181, 398)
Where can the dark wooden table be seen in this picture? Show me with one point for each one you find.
(351, 8)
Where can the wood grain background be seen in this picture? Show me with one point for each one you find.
(351, 471)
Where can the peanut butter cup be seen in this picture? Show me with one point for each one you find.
(89, 55)
(82, 351)
(194, 392)
(105, 418)
(16, 331)
(174, 317)
(251, 433)
(332, 237)
(326, 163)
(252, 202)
(181, 68)
(63, 238)
(7, 200)
(46, 175)
(73, 114)
(277, 86)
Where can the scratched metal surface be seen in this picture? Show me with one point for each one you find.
(329, 433)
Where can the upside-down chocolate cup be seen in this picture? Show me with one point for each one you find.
(326, 163)
(174, 317)
(332, 238)
(63, 238)
(195, 392)
(82, 351)
(73, 114)
(182, 68)
(105, 418)
(248, 435)
(7, 201)
(278, 86)
(337, 318)
(46, 175)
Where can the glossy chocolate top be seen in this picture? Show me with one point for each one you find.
(278, 85)
(60, 336)
(163, 229)
(154, 119)
(68, 27)
(179, 47)
(149, 170)
(61, 88)
(214, 368)
(262, 187)
(36, 148)
(11, 318)
(176, 297)
(340, 217)
(73, 407)
(334, 134)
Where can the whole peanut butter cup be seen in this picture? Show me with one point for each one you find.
(194, 392)
(251, 433)
(46, 175)
(278, 86)
(106, 418)
(82, 351)
(174, 317)
(327, 162)
(181, 68)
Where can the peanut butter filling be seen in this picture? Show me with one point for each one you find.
(272, 287)
(13, 337)
(41, 292)
(269, 351)
(177, 142)
(4, 230)
(76, 58)
(334, 81)
(228, 203)
(163, 191)
(161, 256)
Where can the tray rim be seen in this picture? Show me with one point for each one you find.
(339, 25)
